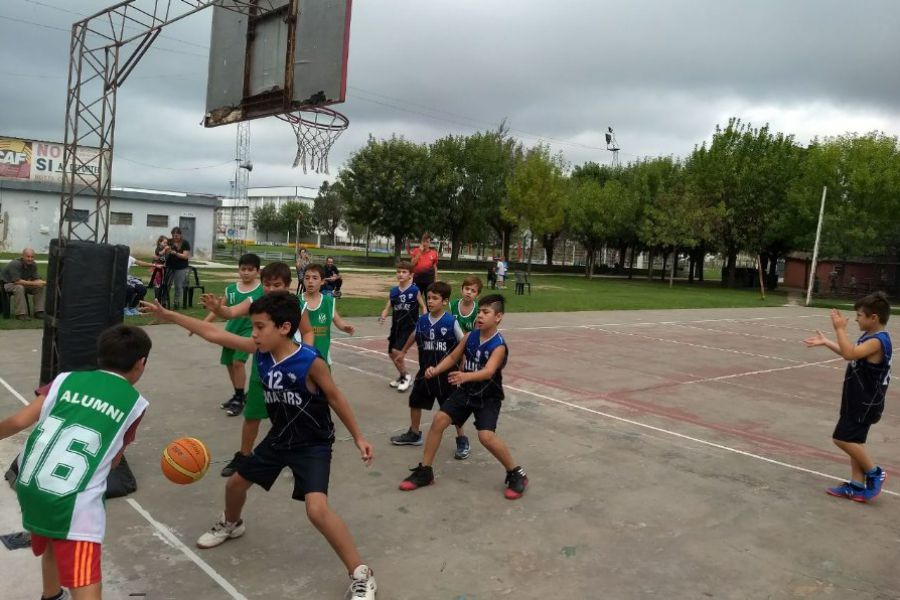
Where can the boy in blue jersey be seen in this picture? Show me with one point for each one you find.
(299, 396)
(405, 305)
(483, 353)
(436, 335)
(865, 386)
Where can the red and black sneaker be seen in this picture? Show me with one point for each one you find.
(516, 482)
(421, 476)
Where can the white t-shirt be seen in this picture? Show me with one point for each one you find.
(501, 268)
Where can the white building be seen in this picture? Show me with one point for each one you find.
(29, 216)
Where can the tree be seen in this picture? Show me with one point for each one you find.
(589, 207)
(266, 219)
(329, 209)
(296, 217)
(536, 197)
(453, 203)
(383, 182)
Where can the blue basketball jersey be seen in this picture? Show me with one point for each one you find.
(404, 306)
(475, 358)
(299, 417)
(435, 339)
(866, 384)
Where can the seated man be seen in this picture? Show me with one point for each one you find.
(332, 279)
(20, 277)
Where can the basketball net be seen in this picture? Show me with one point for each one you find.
(316, 128)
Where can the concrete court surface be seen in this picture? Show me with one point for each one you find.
(671, 454)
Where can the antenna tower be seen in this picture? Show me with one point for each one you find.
(613, 146)
(240, 212)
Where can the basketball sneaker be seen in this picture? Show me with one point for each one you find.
(462, 448)
(362, 584)
(874, 482)
(235, 408)
(407, 438)
(228, 402)
(848, 491)
(62, 595)
(516, 482)
(421, 476)
(404, 383)
(396, 382)
(220, 533)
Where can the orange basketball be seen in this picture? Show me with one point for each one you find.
(184, 460)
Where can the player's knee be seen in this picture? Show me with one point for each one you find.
(236, 483)
(317, 509)
(441, 421)
(486, 437)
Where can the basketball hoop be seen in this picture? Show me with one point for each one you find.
(317, 128)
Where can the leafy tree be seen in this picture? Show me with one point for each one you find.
(383, 182)
(451, 191)
(296, 217)
(589, 207)
(537, 191)
(329, 209)
(266, 219)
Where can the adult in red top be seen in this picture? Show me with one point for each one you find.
(424, 261)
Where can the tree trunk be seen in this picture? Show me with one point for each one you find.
(692, 264)
(674, 263)
(650, 264)
(398, 246)
(662, 274)
(548, 241)
(631, 263)
(620, 264)
(454, 248)
(731, 266)
(701, 261)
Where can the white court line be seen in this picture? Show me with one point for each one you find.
(635, 423)
(14, 392)
(760, 372)
(172, 539)
(163, 530)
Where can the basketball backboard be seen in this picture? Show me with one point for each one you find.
(288, 55)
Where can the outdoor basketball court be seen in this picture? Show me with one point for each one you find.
(671, 454)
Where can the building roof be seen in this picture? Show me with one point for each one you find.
(123, 193)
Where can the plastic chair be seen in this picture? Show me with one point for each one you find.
(188, 299)
(6, 301)
(522, 282)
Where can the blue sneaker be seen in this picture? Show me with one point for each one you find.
(462, 448)
(874, 483)
(848, 491)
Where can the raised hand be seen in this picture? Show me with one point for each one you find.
(838, 320)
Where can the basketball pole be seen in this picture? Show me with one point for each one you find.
(815, 256)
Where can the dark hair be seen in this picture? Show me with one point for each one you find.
(442, 289)
(120, 346)
(495, 302)
(314, 267)
(329, 258)
(176, 230)
(875, 304)
(404, 265)
(250, 260)
(276, 270)
(282, 307)
(472, 280)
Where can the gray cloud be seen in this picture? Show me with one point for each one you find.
(662, 73)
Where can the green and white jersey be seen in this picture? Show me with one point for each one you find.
(467, 322)
(68, 456)
(320, 318)
(233, 297)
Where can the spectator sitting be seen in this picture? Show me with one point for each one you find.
(332, 278)
(135, 290)
(20, 277)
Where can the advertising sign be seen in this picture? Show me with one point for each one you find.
(31, 160)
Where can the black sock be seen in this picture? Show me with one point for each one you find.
(239, 393)
(56, 597)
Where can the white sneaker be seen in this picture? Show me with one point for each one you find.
(396, 382)
(220, 533)
(362, 584)
(404, 383)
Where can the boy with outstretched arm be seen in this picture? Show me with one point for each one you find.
(84, 421)
(437, 334)
(300, 396)
(405, 304)
(275, 277)
(483, 353)
(865, 386)
(246, 289)
(321, 310)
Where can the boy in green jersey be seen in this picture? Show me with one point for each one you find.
(275, 277)
(465, 309)
(321, 310)
(248, 287)
(84, 421)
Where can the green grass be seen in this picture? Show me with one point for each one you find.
(550, 293)
(845, 304)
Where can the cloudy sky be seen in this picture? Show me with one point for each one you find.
(662, 73)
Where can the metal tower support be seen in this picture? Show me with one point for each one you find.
(104, 50)
(613, 146)
(242, 168)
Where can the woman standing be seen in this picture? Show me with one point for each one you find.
(424, 261)
(177, 254)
